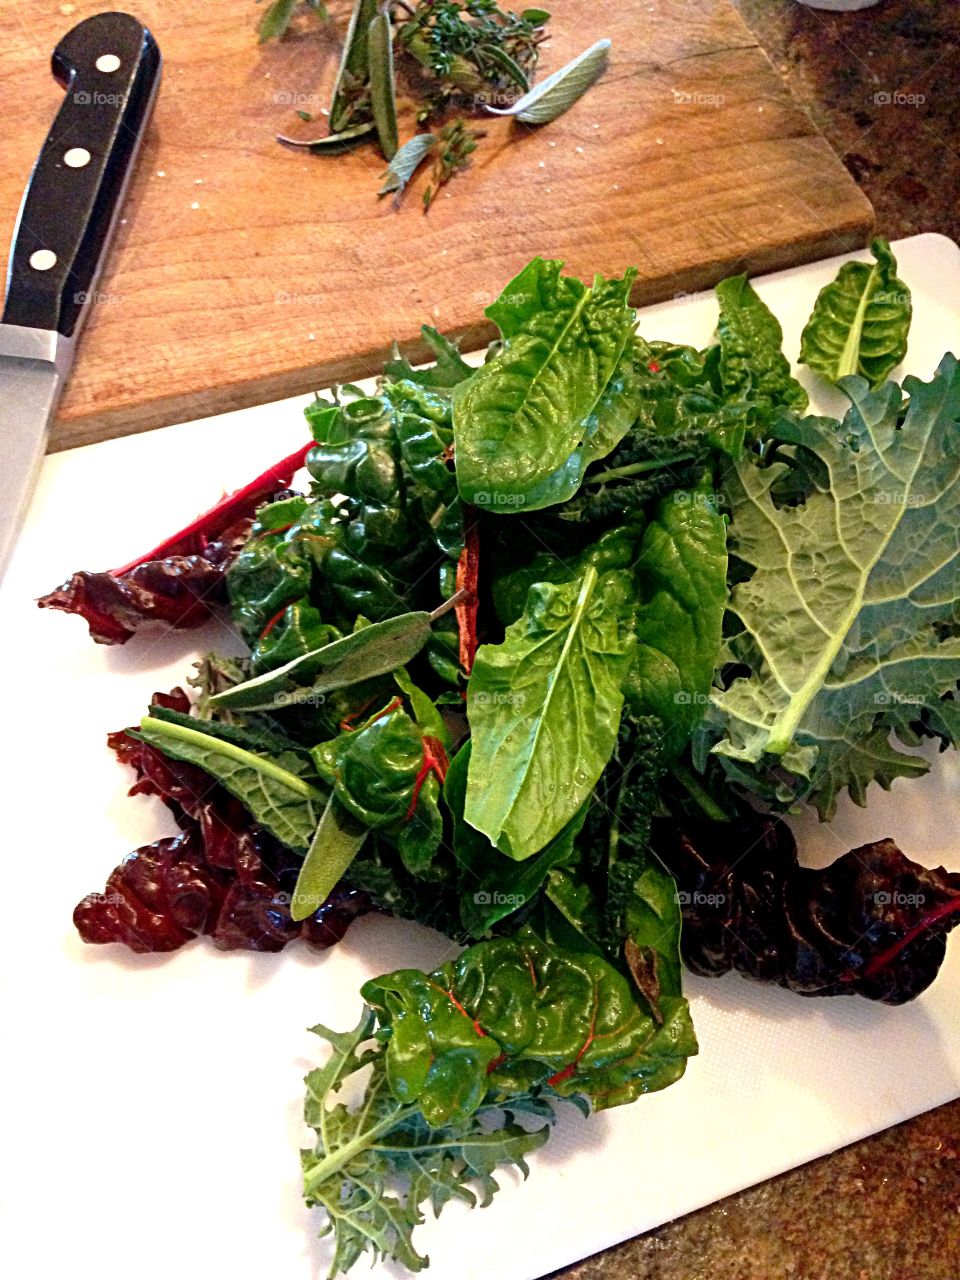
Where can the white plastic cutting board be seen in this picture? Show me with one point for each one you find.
(153, 1103)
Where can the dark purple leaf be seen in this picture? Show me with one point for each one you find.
(873, 923)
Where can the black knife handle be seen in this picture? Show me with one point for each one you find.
(110, 67)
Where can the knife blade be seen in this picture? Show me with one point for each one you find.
(110, 67)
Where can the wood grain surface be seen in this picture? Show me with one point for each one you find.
(244, 271)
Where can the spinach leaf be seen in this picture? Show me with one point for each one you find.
(604, 427)
(495, 886)
(847, 625)
(544, 708)
(860, 321)
(521, 415)
(751, 348)
(284, 803)
(682, 572)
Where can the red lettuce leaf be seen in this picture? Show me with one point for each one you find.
(222, 876)
(181, 590)
(873, 923)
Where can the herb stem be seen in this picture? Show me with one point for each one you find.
(452, 603)
(636, 468)
(699, 794)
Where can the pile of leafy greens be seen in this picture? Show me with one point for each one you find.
(545, 638)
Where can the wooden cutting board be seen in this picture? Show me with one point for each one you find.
(245, 271)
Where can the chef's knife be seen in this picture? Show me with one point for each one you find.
(110, 67)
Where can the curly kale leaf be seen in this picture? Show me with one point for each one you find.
(847, 622)
(373, 1167)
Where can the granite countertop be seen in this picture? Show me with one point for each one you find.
(883, 86)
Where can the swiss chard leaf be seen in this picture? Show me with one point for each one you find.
(300, 630)
(514, 1014)
(522, 414)
(860, 321)
(846, 624)
(544, 708)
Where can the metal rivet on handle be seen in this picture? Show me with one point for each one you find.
(76, 157)
(108, 62)
(43, 259)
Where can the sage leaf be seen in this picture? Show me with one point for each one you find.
(336, 842)
(284, 803)
(860, 321)
(544, 709)
(331, 142)
(353, 63)
(276, 20)
(848, 623)
(557, 94)
(383, 97)
(406, 162)
(503, 62)
(375, 650)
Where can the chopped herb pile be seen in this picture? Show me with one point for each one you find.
(452, 58)
(541, 657)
